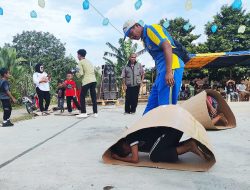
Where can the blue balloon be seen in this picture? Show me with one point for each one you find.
(33, 14)
(166, 24)
(186, 26)
(105, 22)
(138, 4)
(1, 11)
(85, 4)
(214, 28)
(237, 4)
(141, 22)
(68, 18)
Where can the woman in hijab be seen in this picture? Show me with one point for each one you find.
(41, 80)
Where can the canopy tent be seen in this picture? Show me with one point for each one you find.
(218, 60)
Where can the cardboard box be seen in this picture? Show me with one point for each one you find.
(198, 108)
(178, 118)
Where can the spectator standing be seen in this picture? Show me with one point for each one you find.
(70, 92)
(42, 80)
(132, 77)
(87, 74)
(5, 97)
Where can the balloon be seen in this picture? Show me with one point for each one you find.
(166, 24)
(41, 3)
(105, 22)
(1, 11)
(188, 5)
(33, 14)
(237, 4)
(214, 28)
(85, 4)
(186, 26)
(138, 4)
(141, 22)
(68, 18)
(242, 29)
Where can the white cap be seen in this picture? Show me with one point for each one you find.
(127, 26)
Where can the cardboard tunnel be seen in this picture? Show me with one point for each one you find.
(198, 108)
(178, 118)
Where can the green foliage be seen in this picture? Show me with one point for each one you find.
(9, 60)
(44, 48)
(227, 38)
(121, 54)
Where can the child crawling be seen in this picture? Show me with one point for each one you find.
(212, 106)
(161, 143)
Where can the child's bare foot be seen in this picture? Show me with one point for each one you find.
(223, 119)
(194, 147)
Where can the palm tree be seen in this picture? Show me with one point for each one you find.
(121, 54)
(20, 78)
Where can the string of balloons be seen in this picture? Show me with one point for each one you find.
(236, 5)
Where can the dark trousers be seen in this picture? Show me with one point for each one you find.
(84, 91)
(69, 99)
(6, 109)
(43, 95)
(164, 149)
(131, 99)
(60, 102)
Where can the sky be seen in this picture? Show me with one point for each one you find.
(85, 29)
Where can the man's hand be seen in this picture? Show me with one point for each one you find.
(14, 100)
(169, 78)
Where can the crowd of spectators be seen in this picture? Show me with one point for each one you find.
(229, 89)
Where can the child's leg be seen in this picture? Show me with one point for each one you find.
(76, 103)
(164, 149)
(216, 119)
(61, 103)
(69, 107)
(6, 110)
(220, 117)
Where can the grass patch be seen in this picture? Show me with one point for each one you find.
(21, 118)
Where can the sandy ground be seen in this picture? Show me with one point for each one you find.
(63, 152)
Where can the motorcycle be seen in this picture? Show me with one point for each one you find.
(30, 103)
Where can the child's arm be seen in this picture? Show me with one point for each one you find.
(134, 158)
(10, 95)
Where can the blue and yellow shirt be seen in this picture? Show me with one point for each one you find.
(153, 37)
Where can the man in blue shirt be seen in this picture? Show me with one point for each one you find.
(169, 66)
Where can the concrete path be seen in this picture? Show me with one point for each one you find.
(60, 152)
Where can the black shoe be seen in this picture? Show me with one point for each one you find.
(7, 124)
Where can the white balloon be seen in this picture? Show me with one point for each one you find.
(188, 5)
(41, 3)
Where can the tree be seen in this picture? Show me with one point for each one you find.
(227, 38)
(9, 60)
(45, 48)
(176, 30)
(121, 54)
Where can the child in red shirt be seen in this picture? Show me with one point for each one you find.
(70, 92)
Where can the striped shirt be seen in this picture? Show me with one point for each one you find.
(153, 37)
